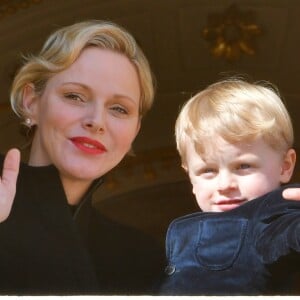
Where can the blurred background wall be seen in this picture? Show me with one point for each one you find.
(190, 44)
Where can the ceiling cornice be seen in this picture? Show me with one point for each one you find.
(10, 7)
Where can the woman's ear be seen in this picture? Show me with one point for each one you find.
(138, 126)
(29, 101)
(288, 165)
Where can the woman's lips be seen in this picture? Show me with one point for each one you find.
(88, 145)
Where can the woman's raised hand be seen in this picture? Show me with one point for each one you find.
(8, 182)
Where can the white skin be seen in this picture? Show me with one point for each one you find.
(237, 173)
(86, 120)
(41, 151)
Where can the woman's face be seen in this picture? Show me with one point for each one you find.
(87, 116)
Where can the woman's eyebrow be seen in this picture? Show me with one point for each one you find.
(76, 83)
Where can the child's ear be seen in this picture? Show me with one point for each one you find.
(29, 101)
(184, 167)
(288, 165)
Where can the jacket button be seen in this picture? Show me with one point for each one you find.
(169, 270)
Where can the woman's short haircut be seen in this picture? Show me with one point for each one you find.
(65, 45)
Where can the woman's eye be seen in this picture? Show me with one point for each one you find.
(120, 109)
(74, 97)
(209, 170)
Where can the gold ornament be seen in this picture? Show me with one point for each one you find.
(231, 33)
(10, 7)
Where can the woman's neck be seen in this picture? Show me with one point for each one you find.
(74, 189)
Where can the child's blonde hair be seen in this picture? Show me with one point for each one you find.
(237, 111)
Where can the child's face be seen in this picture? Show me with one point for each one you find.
(236, 173)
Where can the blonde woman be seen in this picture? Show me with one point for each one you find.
(83, 98)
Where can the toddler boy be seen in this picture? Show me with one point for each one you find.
(235, 140)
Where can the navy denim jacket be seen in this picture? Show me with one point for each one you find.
(253, 249)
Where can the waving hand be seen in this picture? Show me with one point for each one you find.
(8, 182)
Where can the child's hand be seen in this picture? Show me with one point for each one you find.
(8, 182)
(291, 193)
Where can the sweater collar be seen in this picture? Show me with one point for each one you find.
(87, 197)
(49, 175)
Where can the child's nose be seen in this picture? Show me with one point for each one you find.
(226, 180)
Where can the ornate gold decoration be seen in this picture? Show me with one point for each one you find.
(231, 33)
(9, 7)
(149, 173)
(111, 182)
(147, 168)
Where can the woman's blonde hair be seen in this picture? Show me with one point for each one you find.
(65, 45)
(237, 111)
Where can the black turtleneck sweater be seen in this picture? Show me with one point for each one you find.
(48, 249)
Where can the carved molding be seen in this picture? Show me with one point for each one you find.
(10, 7)
(231, 33)
(148, 168)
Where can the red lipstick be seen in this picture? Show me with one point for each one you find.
(88, 145)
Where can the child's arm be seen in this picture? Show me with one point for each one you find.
(280, 224)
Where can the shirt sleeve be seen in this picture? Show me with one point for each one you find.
(278, 228)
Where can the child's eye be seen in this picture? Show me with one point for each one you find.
(244, 166)
(209, 170)
(208, 173)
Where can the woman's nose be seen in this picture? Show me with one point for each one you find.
(95, 121)
(93, 126)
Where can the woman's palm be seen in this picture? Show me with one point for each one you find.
(8, 182)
